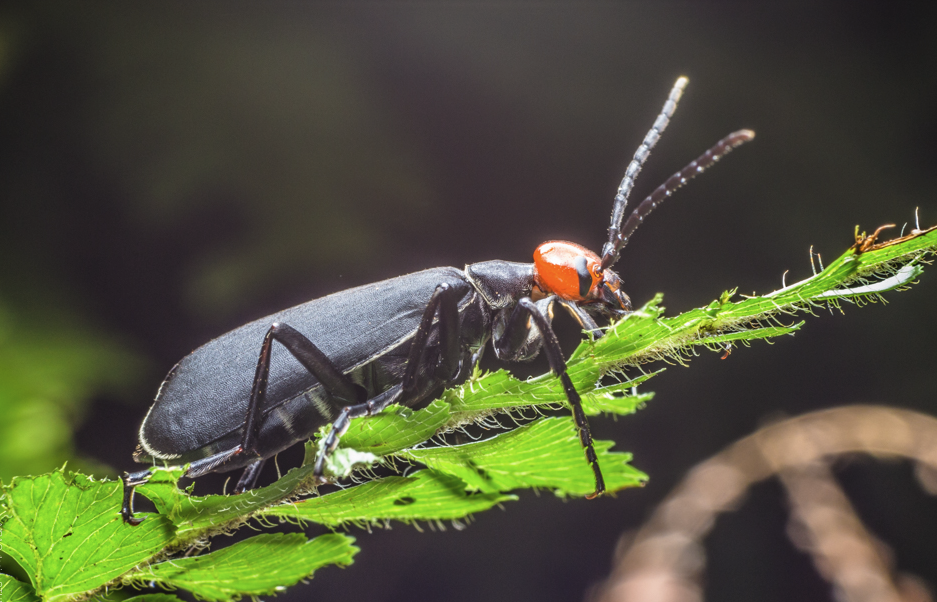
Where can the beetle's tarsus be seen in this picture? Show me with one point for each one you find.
(131, 480)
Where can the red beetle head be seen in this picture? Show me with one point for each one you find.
(574, 273)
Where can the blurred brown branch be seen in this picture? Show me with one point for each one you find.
(664, 560)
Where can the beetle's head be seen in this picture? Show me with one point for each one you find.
(575, 273)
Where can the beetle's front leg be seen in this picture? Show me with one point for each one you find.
(511, 341)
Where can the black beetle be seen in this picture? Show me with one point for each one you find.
(401, 341)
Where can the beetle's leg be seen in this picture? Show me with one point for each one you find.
(417, 374)
(584, 319)
(336, 382)
(477, 356)
(249, 477)
(131, 480)
(338, 385)
(311, 357)
(340, 425)
(447, 368)
(514, 335)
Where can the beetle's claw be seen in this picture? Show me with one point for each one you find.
(129, 518)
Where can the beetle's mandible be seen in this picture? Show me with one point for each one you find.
(257, 390)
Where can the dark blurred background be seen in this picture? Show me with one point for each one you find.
(170, 171)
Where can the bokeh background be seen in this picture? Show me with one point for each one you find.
(169, 171)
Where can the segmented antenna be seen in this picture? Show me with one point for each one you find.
(673, 183)
(640, 156)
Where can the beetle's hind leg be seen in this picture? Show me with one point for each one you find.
(419, 375)
(510, 342)
(339, 386)
(333, 380)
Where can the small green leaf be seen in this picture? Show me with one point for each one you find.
(752, 334)
(501, 391)
(425, 495)
(194, 515)
(262, 565)
(154, 598)
(66, 532)
(396, 428)
(545, 453)
(12, 590)
(612, 400)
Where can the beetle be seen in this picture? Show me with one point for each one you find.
(401, 341)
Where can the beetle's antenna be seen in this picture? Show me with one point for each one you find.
(640, 156)
(674, 182)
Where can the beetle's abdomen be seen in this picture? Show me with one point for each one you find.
(203, 401)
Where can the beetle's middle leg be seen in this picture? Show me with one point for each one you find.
(422, 371)
(250, 475)
(515, 336)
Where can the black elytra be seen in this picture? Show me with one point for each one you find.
(265, 386)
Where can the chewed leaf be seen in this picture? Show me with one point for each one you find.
(12, 590)
(426, 495)
(262, 565)
(66, 532)
(545, 453)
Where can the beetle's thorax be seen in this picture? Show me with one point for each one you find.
(501, 283)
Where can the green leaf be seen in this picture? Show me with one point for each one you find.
(262, 565)
(66, 532)
(753, 334)
(154, 598)
(425, 495)
(545, 453)
(613, 400)
(396, 428)
(12, 590)
(499, 391)
(192, 516)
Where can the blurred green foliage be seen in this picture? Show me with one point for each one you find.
(51, 365)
